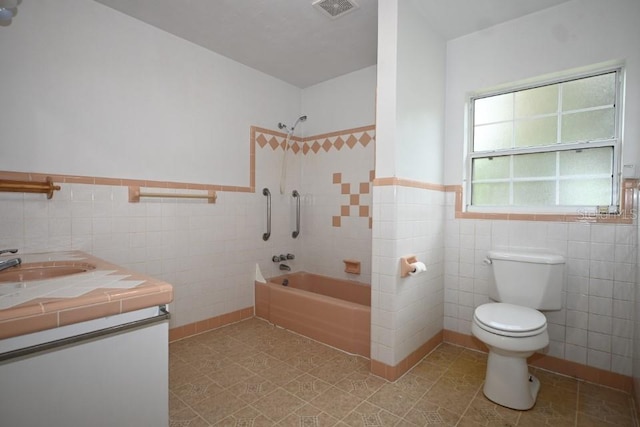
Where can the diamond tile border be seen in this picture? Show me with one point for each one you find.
(350, 138)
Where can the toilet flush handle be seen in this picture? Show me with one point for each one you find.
(487, 261)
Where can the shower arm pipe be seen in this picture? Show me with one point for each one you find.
(296, 195)
(266, 192)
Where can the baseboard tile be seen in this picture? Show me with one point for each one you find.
(201, 326)
(392, 373)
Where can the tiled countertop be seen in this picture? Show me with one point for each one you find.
(103, 291)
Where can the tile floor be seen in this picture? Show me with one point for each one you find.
(254, 374)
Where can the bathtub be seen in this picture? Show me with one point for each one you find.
(333, 311)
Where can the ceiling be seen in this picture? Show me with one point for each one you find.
(295, 42)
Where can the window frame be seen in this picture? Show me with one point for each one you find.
(615, 143)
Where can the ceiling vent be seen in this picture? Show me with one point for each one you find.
(335, 8)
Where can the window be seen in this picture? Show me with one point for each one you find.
(548, 147)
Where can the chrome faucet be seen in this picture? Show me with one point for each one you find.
(285, 267)
(8, 251)
(13, 262)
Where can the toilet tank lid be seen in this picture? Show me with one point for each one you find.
(532, 257)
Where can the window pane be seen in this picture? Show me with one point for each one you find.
(540, 100)
(540, 193)
(534, 165)
(543, 131)
(587, 162)
(589, 192)
(588, 125)
(490, 194)
(492, 137)
(491, 168)
(590, 92)
(493, 109)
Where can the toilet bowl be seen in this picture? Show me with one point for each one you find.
(512, 333)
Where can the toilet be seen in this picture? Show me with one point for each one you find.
(512, 327)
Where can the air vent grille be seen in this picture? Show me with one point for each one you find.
(335, 8)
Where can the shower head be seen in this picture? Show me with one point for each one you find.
(300, 119)
(290, 131)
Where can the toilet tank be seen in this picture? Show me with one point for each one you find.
(528, 279)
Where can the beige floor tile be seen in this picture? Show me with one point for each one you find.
(210, 362)
(251, 389)
(306, 387)
(278, 404)
(251, 373)
(585, 420)
(305, 360)
(258, 362)
(218, 407)
(367, 414)
(186, 417)
(425, 413)
(182, 374)
(393, 399)
(414, 385)
(446, 396)
(362, 385)
(335, 402)
(246, 416)
(605, 404)
(310, 416)
(230, 374)
(196, 390)
(175, 404)
(281, 373)
(428, 370)
(330, 372)
(484, 412)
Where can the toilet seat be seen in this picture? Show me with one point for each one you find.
(510, 320)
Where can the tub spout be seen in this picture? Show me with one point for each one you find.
(13, 262)
(285, 267)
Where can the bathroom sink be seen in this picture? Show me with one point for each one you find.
(30, 272)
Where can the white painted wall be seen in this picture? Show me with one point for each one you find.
(574, 34)
(346, 102)
(420, 97)
(87, 90)
(386, 101)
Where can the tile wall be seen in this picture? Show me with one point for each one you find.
(337, 199)
(208, 251)
(595, 326)
(406, 312)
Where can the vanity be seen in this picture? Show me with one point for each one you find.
(83, 342)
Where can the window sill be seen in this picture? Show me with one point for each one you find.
(627, 214)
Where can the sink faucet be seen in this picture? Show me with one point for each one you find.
(285, 267)
(13, 262)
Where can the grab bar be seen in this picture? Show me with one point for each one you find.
(296, 195)
(266, 192)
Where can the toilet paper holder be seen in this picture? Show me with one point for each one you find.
(405, 265)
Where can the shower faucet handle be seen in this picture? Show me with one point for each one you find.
(283, 257)
(275, 258)
(291, 256)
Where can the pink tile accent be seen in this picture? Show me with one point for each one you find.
(337, 178)
(36, 315)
